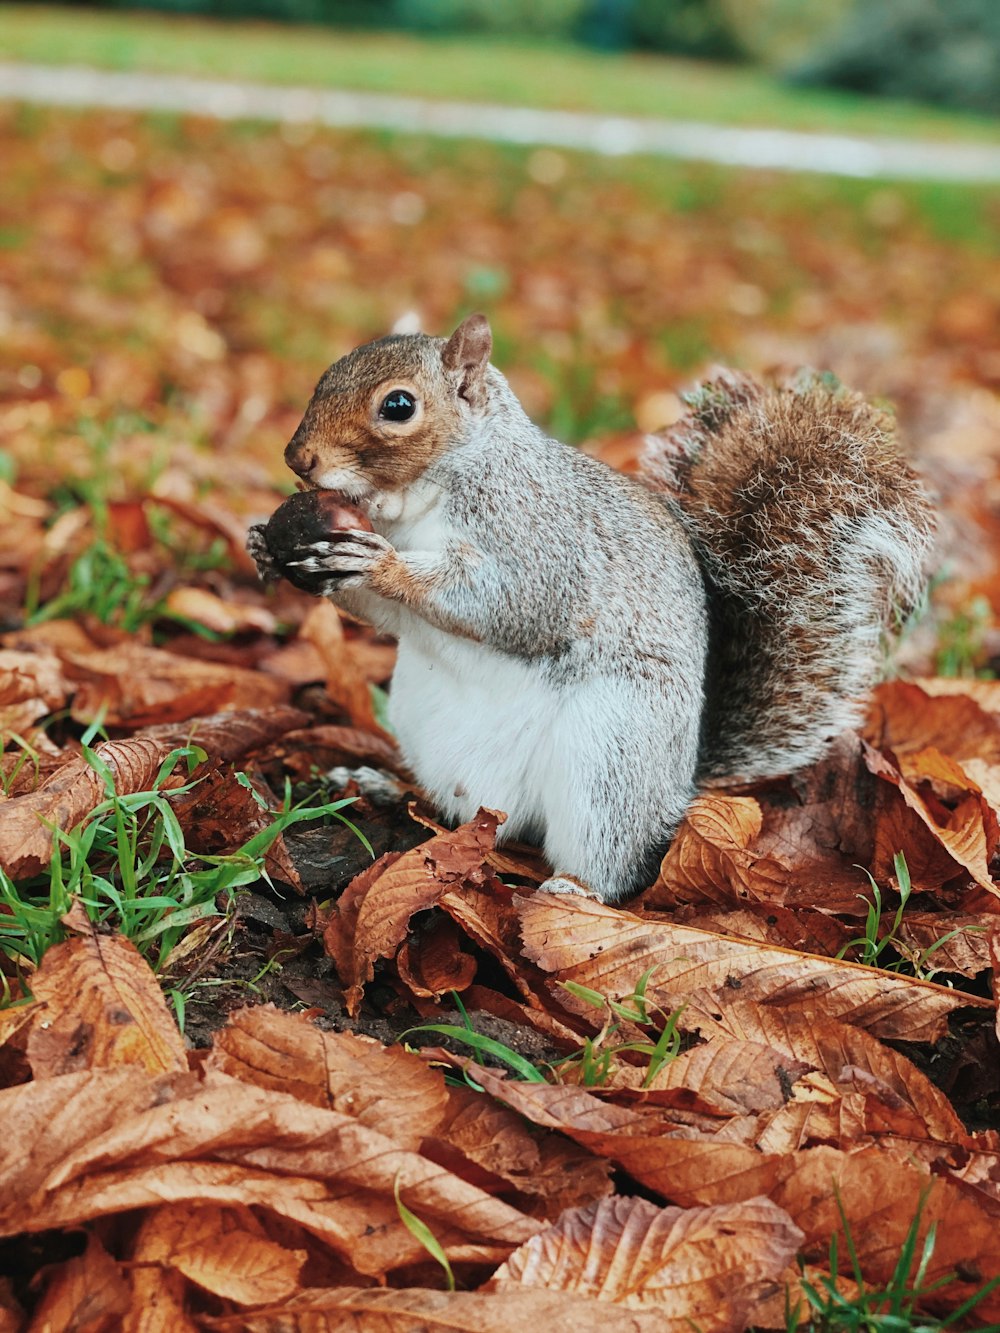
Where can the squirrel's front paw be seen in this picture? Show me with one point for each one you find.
(350, 558)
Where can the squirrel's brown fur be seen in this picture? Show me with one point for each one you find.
(813, 534)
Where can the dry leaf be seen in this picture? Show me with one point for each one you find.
(101, 1006)
(497, 1141)
(328, 746)
(371, 918)
(880, 1196)
(842, 1052)
(701, 1267)
(70, 794)
(222, 1250)
(31, 686)
(144, 686)
(685, 1166)
(434, 963)
(88, 1294)
(224, 1142)
(224, 617)
(358, 1310)
(346, 683)
(608, 950)
(385, 1088)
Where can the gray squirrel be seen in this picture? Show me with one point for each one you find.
(580, 649)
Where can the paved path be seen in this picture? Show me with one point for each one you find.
(782, 150)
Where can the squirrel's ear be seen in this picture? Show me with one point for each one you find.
(468, 351)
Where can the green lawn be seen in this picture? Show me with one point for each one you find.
(461, 67)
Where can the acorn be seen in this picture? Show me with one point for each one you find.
(305, 518)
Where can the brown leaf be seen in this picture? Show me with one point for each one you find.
(88, 1294)
(224, 1142)
(31, 686)
(221, 814)
(102, 1007)
(684, 1166)
(69, 795)
(550, 1022)
(841, 1052)
(378, 1086)
(347, 1309)
(734, 1077)
(906, 717)
(141, 686)
(881, 1196)
(224, 617)
(770, 923)
(969, 832)
(701, 1267)
(371, 918)
(608, 950)
(729, 850)
(498, 1141)
(434, 963)
(346, 683)
(159, 1303)
(330, 745)
(706, 861)
(222, 1250)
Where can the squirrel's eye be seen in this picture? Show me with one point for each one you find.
(397, 406)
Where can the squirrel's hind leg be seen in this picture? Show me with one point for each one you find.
(619, 778)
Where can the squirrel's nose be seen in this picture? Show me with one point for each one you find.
(299, 459)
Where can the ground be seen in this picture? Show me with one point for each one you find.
(763, 1036)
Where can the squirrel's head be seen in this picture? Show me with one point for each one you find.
(381, 415)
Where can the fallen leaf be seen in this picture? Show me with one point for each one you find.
(100, 1006)
(683, 1165)
(371, 919)
(224, 617)
(880, 1196)
(701, 1267)
(221, 1250)
(31, 686)
(608, 950)
(969, 832)
(221, 814)
(346, 683)
(327, 746)
(404, 1311)
(222, 1142)
(89, 1293)
(434, 963)
(141, 686)
(948, 716)
(543, 1166)
(377, 1086)
(841, 1051)
(72, 792)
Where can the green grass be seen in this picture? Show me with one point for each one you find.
(536, 74)
(128, 865)
(896, 1307)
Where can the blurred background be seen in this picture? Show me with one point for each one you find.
(172, 284)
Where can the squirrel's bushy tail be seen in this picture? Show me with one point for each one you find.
(814, 536)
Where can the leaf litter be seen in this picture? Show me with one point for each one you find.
(244, 1172)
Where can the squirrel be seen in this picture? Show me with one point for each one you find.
(581, 649)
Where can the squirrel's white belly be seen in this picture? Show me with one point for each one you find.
(475, 725)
